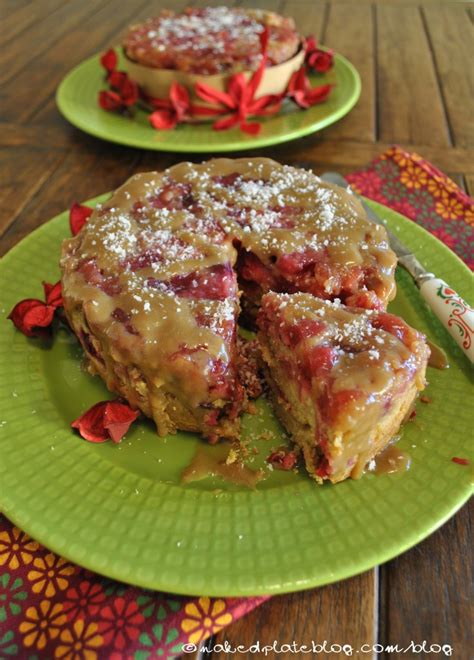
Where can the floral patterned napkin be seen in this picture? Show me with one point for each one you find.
(412, 186)
(50, 608)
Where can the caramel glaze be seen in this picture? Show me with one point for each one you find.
(438, 358)
(145, 273)
(205, 465)
(392, 460)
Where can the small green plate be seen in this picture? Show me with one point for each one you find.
(121, 510)
(77, 101)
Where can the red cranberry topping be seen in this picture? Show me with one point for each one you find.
(319, 360)
(95, 276)
(296, 262)
(395, 325)
(364, 300)
(174, 196)
(333, 404)
(89, 346)
(323, 469)
(251, 268)
(121, 316)
(227, 179)
(292, 335)
(214, 283)
(282, 459)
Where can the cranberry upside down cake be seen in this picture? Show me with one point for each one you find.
(154, 283)
(211, 40)
(342, 379)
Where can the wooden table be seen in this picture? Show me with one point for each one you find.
(414, 58)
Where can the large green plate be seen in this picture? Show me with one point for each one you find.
(121, 510)
(77, 100)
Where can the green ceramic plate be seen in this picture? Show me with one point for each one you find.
(77, 100)
(121, 510)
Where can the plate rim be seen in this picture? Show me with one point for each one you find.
(221, 147)
(370, 560)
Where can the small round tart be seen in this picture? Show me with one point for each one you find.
(154, 282)
(211, 40)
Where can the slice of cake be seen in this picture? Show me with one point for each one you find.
(342, 380)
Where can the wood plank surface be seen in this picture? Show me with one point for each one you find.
(16, 16)
(452, 40)
(410, 105)
(39, 36)
(428, 592)
(351, 31)
(317, 616)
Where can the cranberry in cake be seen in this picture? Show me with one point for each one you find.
(342, 380)
(211, 40)
(154, 282)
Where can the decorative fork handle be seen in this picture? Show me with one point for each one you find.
(453, 312)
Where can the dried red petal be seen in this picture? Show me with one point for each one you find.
(211, 95)
(78, 216)
(252, 128)
(118, 418)
(256, 78)
(224, 124)
(179, 97)
(91, 423)
(321, 60)
(163, 120)
(460, 461)
(109, 60)
(105, 420)
(310, 44)
(299, 89)
(318, 94)
(110, 100)
(53, 294)
(29, 316)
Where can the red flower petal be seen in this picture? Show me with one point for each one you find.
(159, 104)
(78, 216)
(179, 97)
(227, 122)
(321, 60)
(204, 110)
(252, 128)
(310, 44)
(318, 94)
(256, 78)
(264, 106)
(163, 120)
(53, 294)
(106, 419)
(212, 95)
(126, 88)
(117, 419)
(109, 60)
(298, 81)
(30, 315)
(110, 100)
(91, 423)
